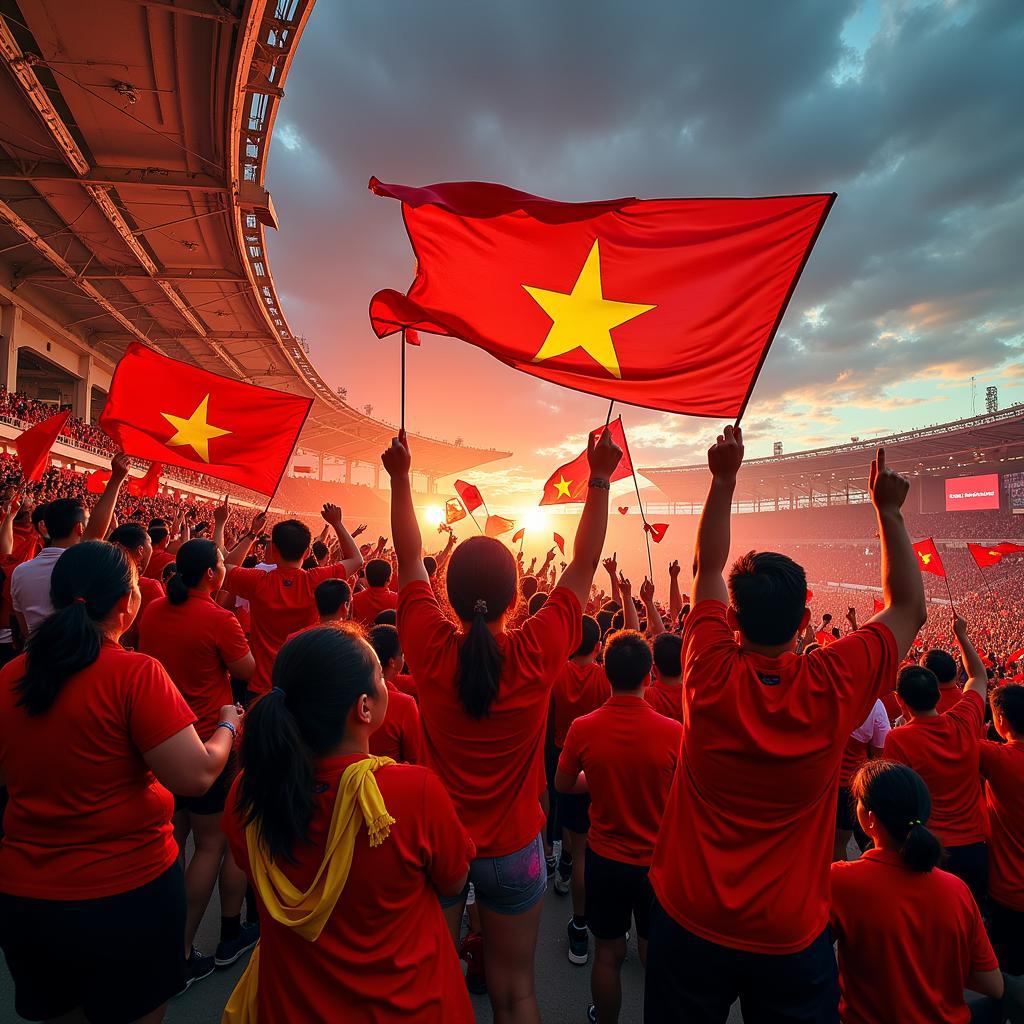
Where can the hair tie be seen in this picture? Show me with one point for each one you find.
(915, 822)
(79, 600)
(480, 607)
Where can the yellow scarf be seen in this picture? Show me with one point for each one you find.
(358, 802)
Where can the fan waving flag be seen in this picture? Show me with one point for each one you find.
(928, 557)
(34, 444)
(174, 413)
(665, 303)
(985, 556)
(569, 483)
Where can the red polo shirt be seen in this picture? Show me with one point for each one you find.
(369, 603)
(579, 689)
(399, 734)
(160, 558)
(666, 700)
(743, 854)
(1002, 764)
(949, 695)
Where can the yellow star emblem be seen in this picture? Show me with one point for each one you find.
(195, 431)
(562, 487)
(924, 558)
(584, 318)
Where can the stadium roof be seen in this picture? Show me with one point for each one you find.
(983, 443)
(133, 148)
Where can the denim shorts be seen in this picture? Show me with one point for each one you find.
(507, 885)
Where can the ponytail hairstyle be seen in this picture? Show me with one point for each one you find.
(899, 799)
(482, 587)
(193, 558)
(87, 582)
(318, 676)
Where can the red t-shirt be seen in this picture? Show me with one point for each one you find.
(944, 751)
(86, 817)
(743, 853)
(579, 689)
(281, 602)
(369, 603)
(195, 641)
(1002, 764)
(407, 684)
(666, 700)
(399, 734)
(490, 765)
(908, 942)
(157, 561)
(949, 695)
(629, 754)
(27, 542)
(385, 953)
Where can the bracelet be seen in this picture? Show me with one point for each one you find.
(227, 725)
(596, 481)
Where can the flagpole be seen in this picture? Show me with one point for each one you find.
(643, 517)
(981, 573)
(611, 405)
(950, 592)
(403, 378)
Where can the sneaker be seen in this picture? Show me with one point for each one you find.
(197, 967)
(471, 953)
(550, 863)
(231, 949)
(563, 876)
(592, 1014)
(579, 944)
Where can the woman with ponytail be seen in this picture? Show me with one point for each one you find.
(202, 646)
(92, 904)
(346, 852)
(484, 690)
(910, 936)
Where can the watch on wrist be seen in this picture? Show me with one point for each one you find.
(600, 482)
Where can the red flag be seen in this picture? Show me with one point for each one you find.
(147, 486)
(928, 557)
(985, 556)
(623, 509)
(96, 483)
(34, 445)
(518, 536)
(453, 511)
(665, 303)
(560, 541)
(497, 525)
(1009, 549)
(877, 605)
(810, 596)
(1017, 655)
(167, 411)
(469, 494)
(656, 530)
(569, 483)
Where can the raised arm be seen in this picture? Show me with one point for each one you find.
(902, 588)
(977, 677)
(7, 526)
(675, 596)
(630, 619)
(220, 517)
(103, 511)
(441, 558)
(603, 457)
(725, 457)
(655, 623)
(351, 558)
(236, 556)
(405, 530)
(611, 566)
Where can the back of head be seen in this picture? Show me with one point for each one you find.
(291, 538)
(528, 587)
(627, 659)
(87, 582)
(899, 799)
(384, 640)
(192, 561)
(604, 619)
(668, 652)
(918, 688)
(387, 617)
(1008, 700)
(331, 596)
(320, 551)
(590, 637)
(941, 663)
(158, 531)
(537, 602)
(769, 595)
(129, 535)
(378, 572)
(430, 564)
(482, 587)
(61, 516)
(318, 676)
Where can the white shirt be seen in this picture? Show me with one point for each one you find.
(30, 587)
(874, 728)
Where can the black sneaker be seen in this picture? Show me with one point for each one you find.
(550, 863)
(197, 967)
(592, 1014)
(228, 952)
(579, 944)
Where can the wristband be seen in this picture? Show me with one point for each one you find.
(596, 481)
(227, 725)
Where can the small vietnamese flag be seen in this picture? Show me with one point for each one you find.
(569, 483)
(518, 536)
(147, 486)
(985, 556)
(560, 541)
(453, 511)
(470, 495)
(34, 445)
(497, 525)
(656, 530)
(928, 557)
(877, 605)
(167, 411)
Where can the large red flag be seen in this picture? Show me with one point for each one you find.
(34, 445)
(928, 557)
(147, 486)
(470, 495)
(497, 525)
(167, 411)
(665, 303)
(569, 483)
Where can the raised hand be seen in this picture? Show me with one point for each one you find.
(625, 588)
(397, 459)
(361, 528)
(221, 512)
(258, 522)
(119, 466)
(647, 591)
(725, 456)
(673, 569)
(603, 455)
(611, 565)
(888, 489)
(332, 515)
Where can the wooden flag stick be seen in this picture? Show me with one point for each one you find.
(403, 379)
(647, 532)
(950, 592)
(984, 579)
(611, 405)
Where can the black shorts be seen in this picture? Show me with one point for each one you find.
(574, 812)
(1006, 930)
(117, 957)
(214, 799)
(616, 894)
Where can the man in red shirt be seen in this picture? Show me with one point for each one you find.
(945, 751)
(399, 736)
(377, 597)
(136, 544)
(946, 670)
(741, 866)
(627, 753)
(665, 694)
(160, 538)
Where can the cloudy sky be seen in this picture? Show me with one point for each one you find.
(911, 111)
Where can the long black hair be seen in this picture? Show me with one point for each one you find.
(318, 676)
(482, 586)
(192, 560)
(87, 581)
(899, 799)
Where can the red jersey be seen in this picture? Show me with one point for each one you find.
(908, 942)
(1002, 764)
(949, 695)
(385, 954)
(490, 766)
(86, 817)
(399, 734)
(281, 602)
(369, 603)
(195, 641)
(629, 754)
(743, 853)
(666, 700)
(407, 684)
(579, 689)
(160, 558)
(944, 751)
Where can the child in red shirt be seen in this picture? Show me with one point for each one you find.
(910, 936)
(399, 735)
(665, 694)
(377, 596)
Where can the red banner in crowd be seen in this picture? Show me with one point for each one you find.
(34, 445)
(470, 495)
(928, 557)
(569, 483)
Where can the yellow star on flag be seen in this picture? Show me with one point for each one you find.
(584, 318)
(196, 431)
(562, 487)
(924, 558)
